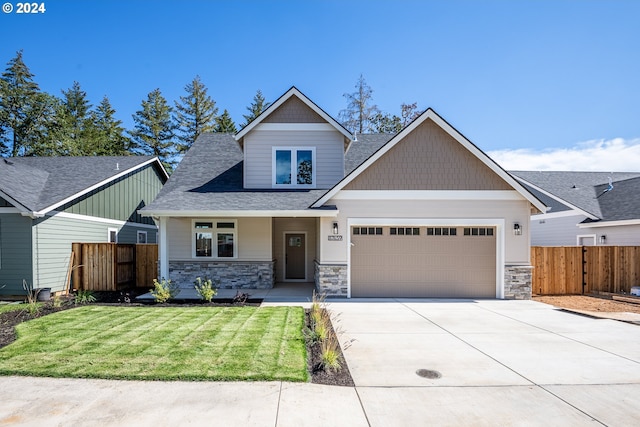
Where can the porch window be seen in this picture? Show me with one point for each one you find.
(294, 167)
(222, 232)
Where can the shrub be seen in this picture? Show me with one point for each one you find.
(205, 289)
(164, 290)
(84, 297)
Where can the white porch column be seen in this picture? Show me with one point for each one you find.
(163, 248)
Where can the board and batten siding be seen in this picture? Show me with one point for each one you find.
(258, 146)
(15, 253)
(52, 239)
(120, 200)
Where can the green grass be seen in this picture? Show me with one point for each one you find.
(162, 343)
(12, 307)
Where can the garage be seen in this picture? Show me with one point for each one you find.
(409, 261)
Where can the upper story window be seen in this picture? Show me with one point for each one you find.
(294, 167)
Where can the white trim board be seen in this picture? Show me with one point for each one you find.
(100, 220)
(427, 195)
(307, 213)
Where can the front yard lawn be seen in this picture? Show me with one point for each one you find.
(162, 343)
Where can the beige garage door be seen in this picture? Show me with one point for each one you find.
(423, 262)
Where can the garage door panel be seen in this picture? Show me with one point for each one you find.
(454, 266)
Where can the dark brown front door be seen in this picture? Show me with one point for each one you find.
(295, 256)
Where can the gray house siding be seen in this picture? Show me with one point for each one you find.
(15, 253)
(258, 155)
(53, 236)
(120, 200)
(556, 231)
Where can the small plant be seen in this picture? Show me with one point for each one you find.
(330, 354)
(33, 307)
(241, 297)
(164, 290)
(84, 297)
(205, 289)
(57, 301)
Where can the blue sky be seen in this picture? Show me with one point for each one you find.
(536, 84)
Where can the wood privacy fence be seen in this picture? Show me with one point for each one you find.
(113, 266)
(576, 270)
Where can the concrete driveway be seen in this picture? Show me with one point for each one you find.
(501, 363)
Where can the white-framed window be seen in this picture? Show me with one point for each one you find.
(142, 237)
(215, 238)
(112, 235)
(293, 167)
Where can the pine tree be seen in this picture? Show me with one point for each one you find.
(110, 139)
(194, 114)
(23, 108)
(154, 130)
(360, 112)
(225, 124)
(76, 130)
(258, 105)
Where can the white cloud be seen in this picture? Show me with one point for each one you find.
(614, 155)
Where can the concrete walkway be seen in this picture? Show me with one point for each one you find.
(501, 363)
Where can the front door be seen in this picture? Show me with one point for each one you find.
(295, 256)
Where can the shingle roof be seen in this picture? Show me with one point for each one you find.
(38, 183)
(584, 190)
(210, 178)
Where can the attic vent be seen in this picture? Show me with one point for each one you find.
(9, 162)
(117, 166)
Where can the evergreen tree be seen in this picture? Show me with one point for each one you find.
(258, 105)
(110, 139)
(360, 112)
(194, 114)
(386, 123)
(23, 108)
(225, 124)
(76, 131)
(154, 131)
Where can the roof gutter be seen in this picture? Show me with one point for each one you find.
(305, 213)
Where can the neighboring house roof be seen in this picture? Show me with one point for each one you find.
(430, 114)
(38, 185)
(585, 192)
(210, 179)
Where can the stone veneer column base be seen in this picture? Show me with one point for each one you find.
(231, 274)
(331, 279)
(517, 281)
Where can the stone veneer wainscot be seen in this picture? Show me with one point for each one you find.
(517, 281)
(331, 279)
(231, 274)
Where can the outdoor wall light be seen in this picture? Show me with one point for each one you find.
(335, 228)
(603, 239)
(517, 230)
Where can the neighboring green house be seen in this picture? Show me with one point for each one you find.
(47, 203)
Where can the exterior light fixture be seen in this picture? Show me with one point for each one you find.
(517, 230)
(603, 239)
(335, 228)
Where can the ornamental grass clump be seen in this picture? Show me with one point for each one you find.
(320, 331)
(164, 290)
(205, 289)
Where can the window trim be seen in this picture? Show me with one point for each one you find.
(141, 233)
(294, 175)
(215, 231)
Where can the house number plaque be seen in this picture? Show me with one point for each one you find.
(334, 238)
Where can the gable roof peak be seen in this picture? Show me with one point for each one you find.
(293, 91)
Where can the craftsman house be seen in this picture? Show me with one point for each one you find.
(295, 197)
(47, 203)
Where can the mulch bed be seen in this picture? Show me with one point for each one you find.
(9, 320)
